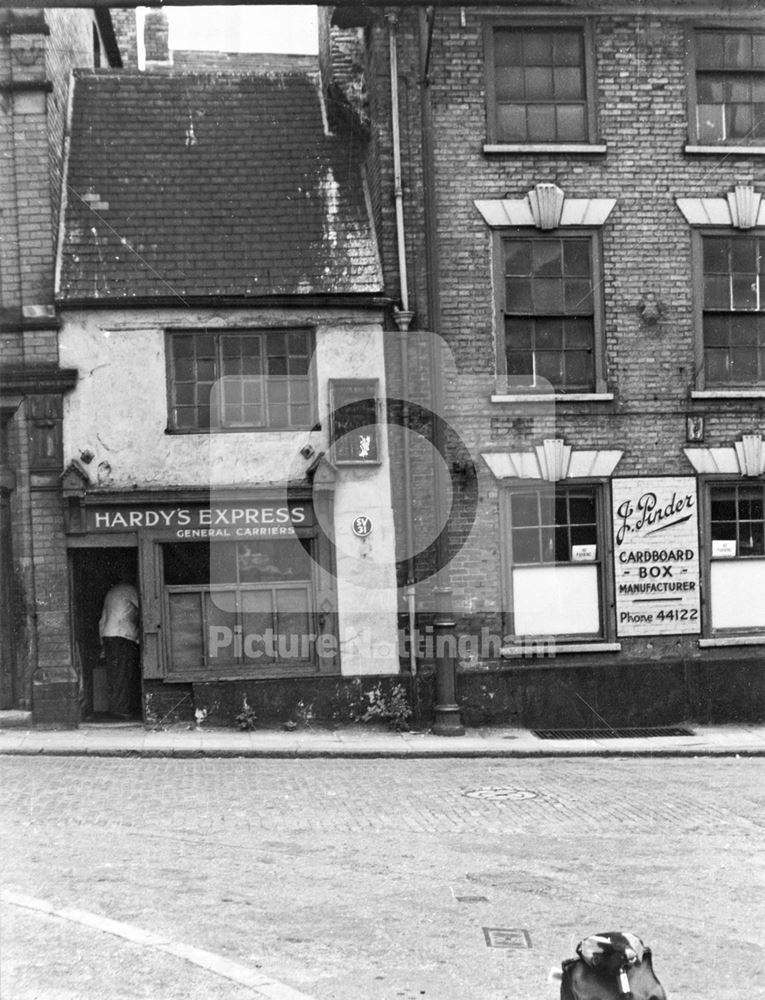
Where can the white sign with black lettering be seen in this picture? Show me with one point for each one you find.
(656, 556)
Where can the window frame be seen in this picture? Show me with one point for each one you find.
(594, 234)
(707, 485)
(600, 490)
(698, 235)
(261, 333)
(243, 668)
(581, 24)
(692, 103)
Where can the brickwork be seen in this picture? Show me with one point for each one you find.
(70, 47)
(124, 22)
(38, 52)
(641, 91)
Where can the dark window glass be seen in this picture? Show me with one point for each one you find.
(549, 311)
(738, 515)
(547, 527)
(734, 310)
(730, 77)
(239, 380)
(539, 85)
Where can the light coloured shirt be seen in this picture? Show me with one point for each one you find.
(120, 613)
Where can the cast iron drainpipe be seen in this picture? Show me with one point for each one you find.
(448, 719)
(403, 318)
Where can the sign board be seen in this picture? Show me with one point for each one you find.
(191, 522)
(354, 421)
(656, 556)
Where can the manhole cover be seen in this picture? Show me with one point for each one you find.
(538, 884)
(500, 792)
(506, 937)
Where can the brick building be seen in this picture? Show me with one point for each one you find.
(575, 195)
(38, 50)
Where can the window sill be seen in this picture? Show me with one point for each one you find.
(546, 147)
(727, 150)
(733, 640)
(556, 397)
(728, 393)
(547, 648)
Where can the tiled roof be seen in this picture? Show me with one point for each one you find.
(211, 184)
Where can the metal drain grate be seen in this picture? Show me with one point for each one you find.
(611, 734)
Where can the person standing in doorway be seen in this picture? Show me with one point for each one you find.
(119, 632)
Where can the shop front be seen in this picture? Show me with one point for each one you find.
(231, 588)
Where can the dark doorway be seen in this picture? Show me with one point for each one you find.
(94, 571)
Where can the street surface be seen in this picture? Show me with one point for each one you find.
(362, 879)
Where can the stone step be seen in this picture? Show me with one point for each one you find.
(15, 718)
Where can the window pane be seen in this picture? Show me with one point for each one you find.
(579, 369)
(518, 293)
(541, 123)
(576, 255)
(257, 624)
(186, 640)
(716, 255)
(738, 121)
(509, 81)
(549, 333)
(582, 509)
(578, 297)
(710, 122)
(292, 617)
(716, 365)
(539, 83)
(520, 363)
(507, 48)
(745, 291)
(549, 365)
(548, 296)
(578, 333)
(709, 50)
(568, 48)
(568, 83)
(519, 333)
(517, 257)
(537, 48)
(571, 123)
(511, 122)
(546, 258)
(709, 89)
(526, 545)
(525, 509)
(717, 292)
(738, 51)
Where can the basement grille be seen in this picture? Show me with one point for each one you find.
(611, 734)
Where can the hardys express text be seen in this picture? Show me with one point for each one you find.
(202, 522)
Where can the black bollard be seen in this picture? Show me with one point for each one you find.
(447, 713)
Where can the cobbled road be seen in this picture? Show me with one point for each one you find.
(373, 879)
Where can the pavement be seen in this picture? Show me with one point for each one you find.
(125, 739)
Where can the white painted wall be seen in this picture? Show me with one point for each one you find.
(118, 411)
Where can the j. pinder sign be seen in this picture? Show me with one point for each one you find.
(224, 521)
(656, 556)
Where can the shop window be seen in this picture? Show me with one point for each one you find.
(238, 604)
(538, 86)
(555, 555)
(239, 380)
(728, 87)
(549, 312)
(737, 551)
(733, 309)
